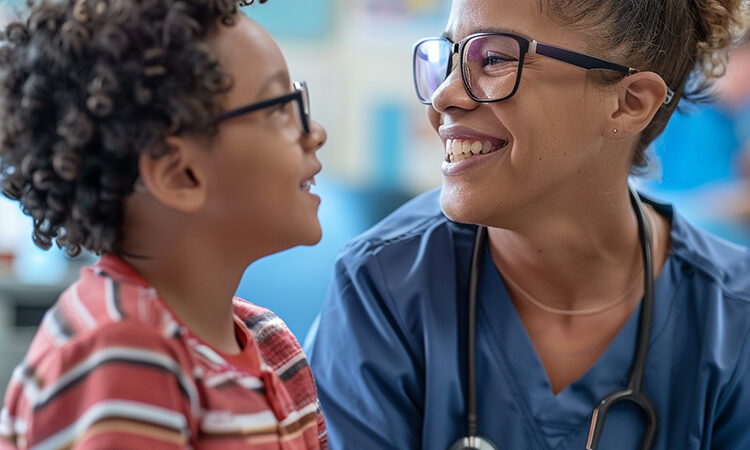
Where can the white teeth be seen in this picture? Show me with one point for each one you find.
(459, 150)
(307, 185)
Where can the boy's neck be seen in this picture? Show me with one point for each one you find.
(196, 283)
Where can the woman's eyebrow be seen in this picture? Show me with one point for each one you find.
(448, 35)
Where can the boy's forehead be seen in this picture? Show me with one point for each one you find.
(250, 55)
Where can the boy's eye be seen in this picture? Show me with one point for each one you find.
(281, 108)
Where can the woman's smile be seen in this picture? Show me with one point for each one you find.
(459, 162)
(466, 147)
(457, 150)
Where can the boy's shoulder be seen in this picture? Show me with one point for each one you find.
(105, 314)
(106, 297)
(278, 347)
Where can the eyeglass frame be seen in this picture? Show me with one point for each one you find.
(300, 95)
(533, 47)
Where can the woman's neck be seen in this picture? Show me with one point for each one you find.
(575, 261)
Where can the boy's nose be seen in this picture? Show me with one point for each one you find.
(317, 136)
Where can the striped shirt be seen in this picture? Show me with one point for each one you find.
(112, 367)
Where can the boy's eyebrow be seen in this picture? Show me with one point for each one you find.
(281, 77)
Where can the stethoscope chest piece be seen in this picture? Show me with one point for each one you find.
(473, 443)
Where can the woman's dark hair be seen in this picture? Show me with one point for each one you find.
(88, 85)
(684, 41)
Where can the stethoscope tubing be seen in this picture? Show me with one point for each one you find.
(471, 353)
(634, 391)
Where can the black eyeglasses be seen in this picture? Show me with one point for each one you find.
(491, 64)
(302, 112)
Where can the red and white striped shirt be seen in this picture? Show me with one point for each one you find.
(112, 367)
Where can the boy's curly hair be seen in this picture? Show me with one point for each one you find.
(85, 87)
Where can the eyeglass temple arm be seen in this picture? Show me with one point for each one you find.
(585, 61)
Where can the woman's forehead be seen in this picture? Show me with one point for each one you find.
(493, 13)
(521, 17)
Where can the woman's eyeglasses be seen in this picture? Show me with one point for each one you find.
(302, 112)
(491, 64)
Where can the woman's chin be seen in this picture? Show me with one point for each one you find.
(456, 209)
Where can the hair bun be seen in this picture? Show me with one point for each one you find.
(718, 24)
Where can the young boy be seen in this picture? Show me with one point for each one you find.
(166, 136)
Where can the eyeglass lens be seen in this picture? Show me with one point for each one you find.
(431, 60)
(490, 66)
(303, 116)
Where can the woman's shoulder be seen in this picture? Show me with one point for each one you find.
(419, 223)
(723, 264)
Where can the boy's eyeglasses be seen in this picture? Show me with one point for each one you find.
(491, 64)
(302, 112)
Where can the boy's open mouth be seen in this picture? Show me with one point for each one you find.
(307, 185)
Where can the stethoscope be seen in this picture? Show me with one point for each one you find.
(632, 393)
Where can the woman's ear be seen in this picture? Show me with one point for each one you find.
(641, 96)
(176, 179)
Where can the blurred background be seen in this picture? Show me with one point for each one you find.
(356, 57)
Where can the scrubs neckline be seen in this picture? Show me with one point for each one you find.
(508, 339)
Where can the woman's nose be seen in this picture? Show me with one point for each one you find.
(452, 93)
(315, 139)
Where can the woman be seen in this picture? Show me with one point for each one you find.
(539, 142)
(166, 136)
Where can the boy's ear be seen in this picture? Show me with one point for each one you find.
(176, 179)
(640, 97)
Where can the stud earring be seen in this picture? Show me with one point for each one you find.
(614, 131)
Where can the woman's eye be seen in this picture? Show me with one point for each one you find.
(495, 58)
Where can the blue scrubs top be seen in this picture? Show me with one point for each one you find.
(389, 351)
